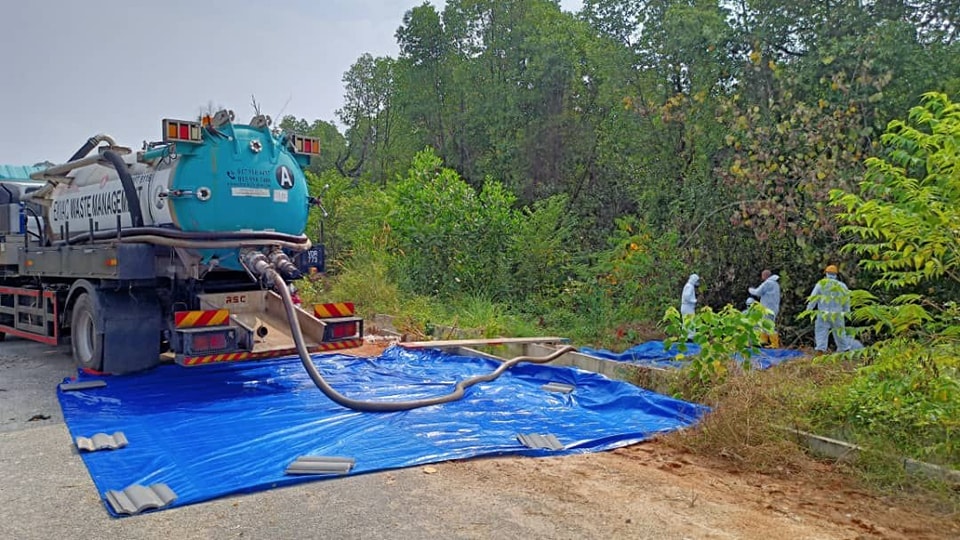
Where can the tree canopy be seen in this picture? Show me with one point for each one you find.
(723, 126)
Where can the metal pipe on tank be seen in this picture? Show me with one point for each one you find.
(62, 169)
(57, 174)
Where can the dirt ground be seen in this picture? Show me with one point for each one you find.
(635, 491)
(625, 492)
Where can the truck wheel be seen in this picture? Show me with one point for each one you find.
(86, 335)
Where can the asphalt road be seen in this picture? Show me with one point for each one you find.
(46, 491)
(641, 492)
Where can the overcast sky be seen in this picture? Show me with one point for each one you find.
(71, 69)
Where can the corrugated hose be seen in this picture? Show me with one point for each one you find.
(385, 406)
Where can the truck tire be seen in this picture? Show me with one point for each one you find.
(86, 336)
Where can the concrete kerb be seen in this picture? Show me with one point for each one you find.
(383, 325)
(845, 452)
(657, 380)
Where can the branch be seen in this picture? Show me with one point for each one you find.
(711, 214)
(788, 52)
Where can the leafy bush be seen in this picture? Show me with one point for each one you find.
(907, 212)
(430, 239)
(449, 238)
(354, 220)
(362, 279)
(906, 399)
(638, 270)
(906, 392)
(539, 250)
(726, 338)
(610, 298)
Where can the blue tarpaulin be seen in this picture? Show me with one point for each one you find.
(222, 429)
(654, 354)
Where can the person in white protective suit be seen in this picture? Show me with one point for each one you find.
(831, 298)
(769, 294)
(688, 299)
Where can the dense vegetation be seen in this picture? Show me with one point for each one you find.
(520, 169)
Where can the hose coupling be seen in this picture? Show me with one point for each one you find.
(281, 261)
(257, 264)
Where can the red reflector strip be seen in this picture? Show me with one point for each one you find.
(211, 341)
(339, 309)
(346, 344)
(213, 358)
(242, 356)
(192, 319)
(343, 330)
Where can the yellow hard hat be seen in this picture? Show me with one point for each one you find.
(831, 269)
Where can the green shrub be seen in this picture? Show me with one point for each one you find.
(448, 238)
(638, 271)
(539, 249)
(362, 279)
(905, 392)
(905, 399)
(727, 339)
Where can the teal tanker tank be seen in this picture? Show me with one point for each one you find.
(209, 179)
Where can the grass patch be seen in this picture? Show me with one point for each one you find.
(751, 409)
(364, 280)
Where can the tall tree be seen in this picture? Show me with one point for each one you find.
(368, 113)
(423, 75)
(725, 122)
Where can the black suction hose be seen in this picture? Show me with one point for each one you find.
(386, 406)
(129, 190)
(91, 143)
(36, 219)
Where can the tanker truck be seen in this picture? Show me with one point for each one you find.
(181, 251)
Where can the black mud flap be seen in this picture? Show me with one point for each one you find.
(131, 330)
